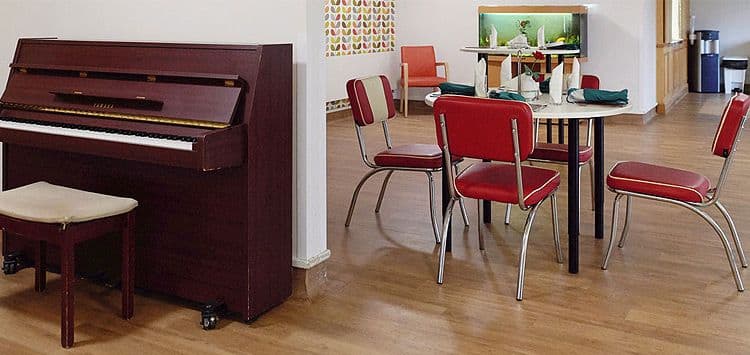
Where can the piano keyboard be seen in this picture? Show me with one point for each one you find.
(102, 134)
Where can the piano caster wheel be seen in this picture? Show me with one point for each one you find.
(210, 315)
(13, 262)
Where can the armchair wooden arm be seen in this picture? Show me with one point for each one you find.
(445, 68)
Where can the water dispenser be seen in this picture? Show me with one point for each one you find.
(703, 62)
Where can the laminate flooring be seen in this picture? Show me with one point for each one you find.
(669, 290)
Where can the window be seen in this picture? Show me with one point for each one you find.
(676, 20)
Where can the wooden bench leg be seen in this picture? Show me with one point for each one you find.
(67, 271)
(128, 266)
(40, 276)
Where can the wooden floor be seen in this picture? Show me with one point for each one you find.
(670, 290)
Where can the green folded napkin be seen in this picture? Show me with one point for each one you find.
(449, 88)
(504, 95)
(544, 86)
(593, 96)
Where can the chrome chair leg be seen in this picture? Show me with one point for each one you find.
(593, 190)
(626, 228)
(615, 211)
(356, 193)
(461, 204)
(479, 224)
(522, 254)
(735, 235)
(727, 247)
(433, 216)
(446, 222)
(508, 207)
(382, 191)
(556, 228)
(463, 212)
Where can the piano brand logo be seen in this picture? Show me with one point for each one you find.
(359, 27)
(104, 105)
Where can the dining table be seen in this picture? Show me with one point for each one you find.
(573, 113)
(548, 52)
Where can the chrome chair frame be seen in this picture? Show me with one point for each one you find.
(455, 195)
(697, 208)
(377, 169)
(590, 163)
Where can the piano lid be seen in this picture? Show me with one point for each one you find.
(172, 98)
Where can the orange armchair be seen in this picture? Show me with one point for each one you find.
(419, 69)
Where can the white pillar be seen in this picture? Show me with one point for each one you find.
(310, 247)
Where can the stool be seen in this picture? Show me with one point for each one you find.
(64, 217)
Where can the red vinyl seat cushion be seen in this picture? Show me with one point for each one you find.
(412, 156)
(559, 152)
(426, 81)
(655, 180)
(497, 182)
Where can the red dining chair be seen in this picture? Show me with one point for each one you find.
(684, 188)
(419, 69)
(556, 153)
(501, 131)
(372, 102)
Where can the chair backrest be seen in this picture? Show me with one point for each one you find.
(482, 128)
(371, 100)
(590, 82)
(730, 125)
(421, 60)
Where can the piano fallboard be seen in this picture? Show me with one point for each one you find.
(209, 151)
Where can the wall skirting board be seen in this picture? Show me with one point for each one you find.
(337, 105)
(311, 262)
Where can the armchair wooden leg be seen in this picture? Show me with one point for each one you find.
(401, 105)
(67, 271)
(128, 267)
(40, 276)
(405, 100)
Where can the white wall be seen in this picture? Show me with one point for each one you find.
(622, 40)
(343, 68)
(731, 17)
(218, 21)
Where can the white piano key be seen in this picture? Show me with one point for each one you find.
(102, 136)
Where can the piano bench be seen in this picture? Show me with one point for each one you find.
(64, 217)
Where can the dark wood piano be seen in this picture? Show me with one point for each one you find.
(200, 135)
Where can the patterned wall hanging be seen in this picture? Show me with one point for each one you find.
(359, 26)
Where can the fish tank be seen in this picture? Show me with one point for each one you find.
(563, 25)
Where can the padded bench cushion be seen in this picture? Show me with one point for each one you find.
(655, 180)
(559, 152)
(497, 182)
(412, 156)
(46, 203)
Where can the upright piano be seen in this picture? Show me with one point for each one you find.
(200, 135)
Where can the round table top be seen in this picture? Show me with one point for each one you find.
(505, 50)
(543, 108)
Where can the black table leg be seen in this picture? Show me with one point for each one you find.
(561, 131)
(548, 124)
(487, 208)
(573, 196)
(446, 201)
(599, 178)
